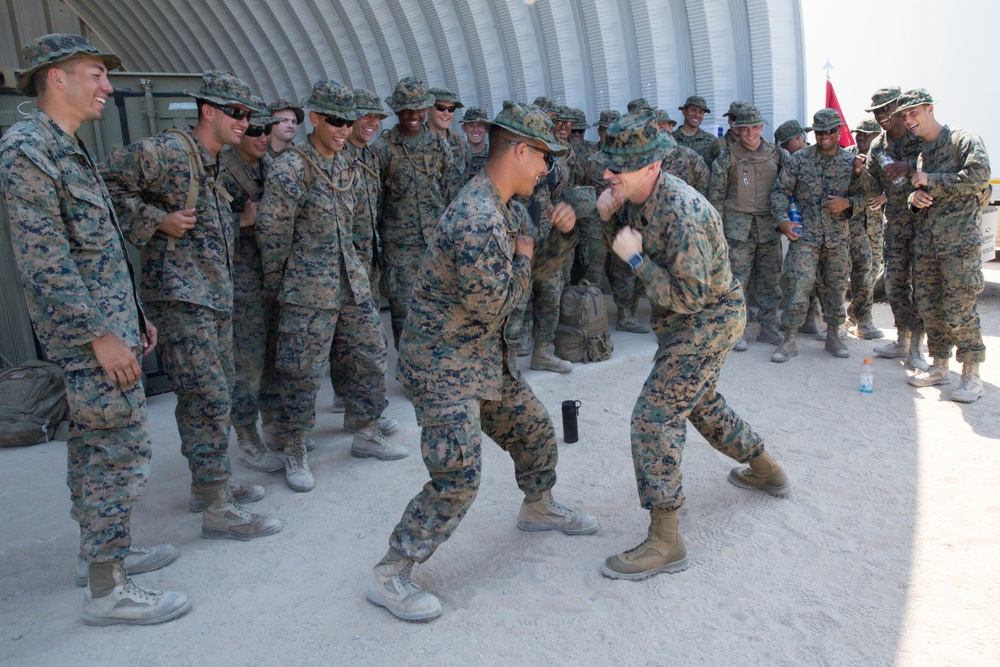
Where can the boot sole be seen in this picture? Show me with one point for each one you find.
(102, 621)
(776, 491)
(921, 385)
(787, 357)
(554, 370)
(226, 535)
(535, 527)
(377, 599)
(669, 568)
(370, 455)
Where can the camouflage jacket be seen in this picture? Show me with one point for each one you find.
(897, 212)
(548, 191)
(475, 165)
(696, 303)
(304, 230)
(469, 282)
(243, 181)
(459, 158)
(581, 163)
(703, 143)
(810, 178)
(415, 179)
(77, 279)
(958, 170)
(862, 217)
(742, 181)
(367, 192)
(687, 165)
(149, 179)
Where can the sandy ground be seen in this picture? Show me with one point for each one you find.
(886, 552)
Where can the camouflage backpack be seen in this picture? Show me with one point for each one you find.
(582, 333)
(33, 407)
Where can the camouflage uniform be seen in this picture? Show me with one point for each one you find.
(79, 286)
(475, 161)
(458, 150)
(703, 143)
(687, 165)
(862, 258)
(460, 371)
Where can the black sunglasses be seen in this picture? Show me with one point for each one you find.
(550, 159)
(823, 133)
(444, 108)
(614, 171)
(337, 121)
(256, 131)
(233, 112)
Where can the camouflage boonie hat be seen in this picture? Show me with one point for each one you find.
(446, 96)
(261, 116)
(748, 116)
(913, 98)
(579, 120)
(662, 116)
(695, 101)
(546, 104)
(223, 88)
(531, 122)
(56, 48)
(868, 126)
(736, 108)
(367, 102)
(410, 94)
(638, 104)
(564, 113)
(825, 120)
(281, 104)
(884, 96)
(330, 98)
(607, 117)
(632, 142)
(476, 115)
(789, 130)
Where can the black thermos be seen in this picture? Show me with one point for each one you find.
(570, 409)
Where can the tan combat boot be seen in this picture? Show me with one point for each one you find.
(254, 452)
(226, 518)
(662, 551)
(915, 357)
(936, 374)
(971, 387)
(114, 598)
(544, 358)
(296, 463)
(896, 350)
(370, 441)
(204, 495)
(835, 343)
(544, 513)
(391, 588)
(763, 474)
(629, 321)
(789, 348)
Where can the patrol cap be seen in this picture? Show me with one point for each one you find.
(281, 104)
(446, 96)
(56, 48)
(789, 130)
(632, 142)
(695, 101)
(367, 102)
(476, 115)
(546, 104)
(913, 98)
(736, 107)
(330, 98)
(564, 113)
(579, 120)
(410, 94)
(531, 122)
(662, 116)
(868, 126)
(638, 104)
(261, 116)
(748, 116)
(223, 88)
(607, 117)
(827, 119)
(884, 96)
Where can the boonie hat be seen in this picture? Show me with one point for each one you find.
(736, 107)
(607, 117)
(868, 126)
(913, 98)
(884, 96)
(56, 48)
(632, 142)
(825, 120)
(638, 104)
(281, 104)
(367, 102)
(789, 130)
(531, 122)
(261, 116)
(546, 104)
(748, 116)
(564, 113)
(223, 88)
(446, 96)
(579, 120)
(695, 101)
(330, 98)
(410, 94)
(662, 116)
(476, 115)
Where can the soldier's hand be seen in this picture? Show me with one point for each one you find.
(524, 245)
(786, 229)
(921, 199)
(178, 223)
(859, 163)
(876, 203)
(627, 242)
(835, 204)
(148, 339)
(896, 169)
(607, 205)
(117, 360)
(248, 218)
(919, 180)
(562, 216)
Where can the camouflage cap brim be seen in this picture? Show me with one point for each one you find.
(632, 142)
(54, 49)
(531, 122)
(913, 98)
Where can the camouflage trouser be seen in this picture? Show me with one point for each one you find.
(623, 284)
(876, 237)
(762, 261)
(682, 388)
(946, 289)
(899, 279)
(546, 302)
(801, 265)
(861, 275)
(196, 348)
(306, 338)
(338, 374)
(249, 329)
(451, 445)
(107, 463)
(400, 266)
(268, 396)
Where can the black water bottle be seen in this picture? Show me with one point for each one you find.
(570, 409)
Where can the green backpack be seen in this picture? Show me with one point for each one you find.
(33, 407)
(582, 333)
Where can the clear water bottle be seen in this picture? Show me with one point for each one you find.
(867, 378)
(794, 216)
(884, 161)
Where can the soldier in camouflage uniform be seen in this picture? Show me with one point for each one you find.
(283, 134)
(863, 226)
(439, 117)
(638, 104)
(242, 170)
(742, 179)
(78, 285)
(459, 369)
(683, 162)
(826, 187)
(898, 149)
(791, 136)
(952, 185)
(187, 287)
(475, 124)
(582, 196)
(415, 171)
(674, 242)
(731, 136)
(306, 237)
(690, 133)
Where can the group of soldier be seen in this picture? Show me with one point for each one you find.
(264, 261)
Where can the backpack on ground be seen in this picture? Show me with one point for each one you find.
(33, 407)
(582, 333)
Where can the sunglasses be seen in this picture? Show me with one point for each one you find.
(824, 133)
(444, 108)
(256, 131)
(336, 121)
(233, 112)
(550, 159)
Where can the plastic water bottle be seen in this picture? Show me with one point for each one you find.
(884, 161)
(794, 216)
(720, 131)
(867, 379)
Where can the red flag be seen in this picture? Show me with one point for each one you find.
(846, 138)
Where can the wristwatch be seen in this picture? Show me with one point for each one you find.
(636, 260)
